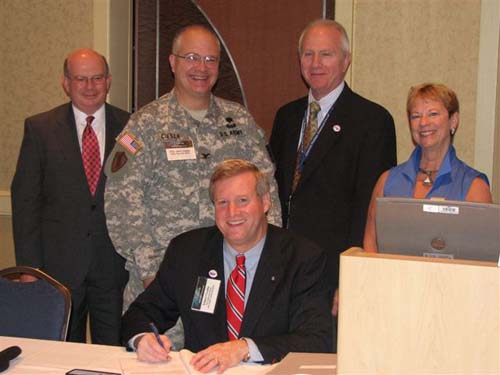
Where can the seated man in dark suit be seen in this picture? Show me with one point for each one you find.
(245, 289)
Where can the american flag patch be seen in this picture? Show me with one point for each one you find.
(130, 143)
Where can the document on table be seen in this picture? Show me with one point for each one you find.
(131, 366)
(179, 365)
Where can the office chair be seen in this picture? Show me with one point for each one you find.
(38, 309)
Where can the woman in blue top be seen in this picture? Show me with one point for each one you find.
(433, 170)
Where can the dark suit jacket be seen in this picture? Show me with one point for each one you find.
(331, 200)
(288, 308)
(58, 226)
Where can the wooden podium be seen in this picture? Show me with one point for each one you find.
(415, 315)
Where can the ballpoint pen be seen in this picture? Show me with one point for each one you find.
(155, 332)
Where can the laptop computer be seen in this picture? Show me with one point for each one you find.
(438, 228)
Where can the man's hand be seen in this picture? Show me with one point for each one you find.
(25, 278)
(149, 350)
(335, 304)
(224, 355)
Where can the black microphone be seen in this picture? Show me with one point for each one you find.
(8, 354)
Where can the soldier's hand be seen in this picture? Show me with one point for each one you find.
(147, 281)
(335, 304)
(25, 278)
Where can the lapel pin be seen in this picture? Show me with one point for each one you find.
(212, 274)
(336, 128)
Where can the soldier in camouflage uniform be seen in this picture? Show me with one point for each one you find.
(159, 171)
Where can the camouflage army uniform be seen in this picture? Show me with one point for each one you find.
(149, 200)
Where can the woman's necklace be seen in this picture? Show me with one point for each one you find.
(428, 180)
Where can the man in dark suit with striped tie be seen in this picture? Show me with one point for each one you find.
(58, 198)
(244, 289)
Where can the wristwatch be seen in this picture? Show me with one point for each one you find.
(246, 357)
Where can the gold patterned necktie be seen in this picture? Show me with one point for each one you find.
(309, 132)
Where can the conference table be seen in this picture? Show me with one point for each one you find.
(57, 357)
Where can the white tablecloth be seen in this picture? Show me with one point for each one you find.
(55, 357)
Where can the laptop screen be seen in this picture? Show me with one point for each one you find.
(438, 228)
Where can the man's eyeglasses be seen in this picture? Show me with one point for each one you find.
(96, 80)
(194, 58)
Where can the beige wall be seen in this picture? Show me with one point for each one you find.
(7, 258)
(35, 37)
(488, 91)
(496, 160)
(400, 43)
(396, 44)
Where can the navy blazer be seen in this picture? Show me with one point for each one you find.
(58, 225)
(288, 307)
(330, 203)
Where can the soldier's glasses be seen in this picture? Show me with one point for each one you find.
(194, 58)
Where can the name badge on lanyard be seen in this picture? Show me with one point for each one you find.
(205, 295)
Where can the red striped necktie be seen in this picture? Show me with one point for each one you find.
(235, 299)
(91, 155)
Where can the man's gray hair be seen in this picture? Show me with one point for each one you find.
(330, 23)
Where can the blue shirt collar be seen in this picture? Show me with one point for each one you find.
(411, 169)
(252, 256)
